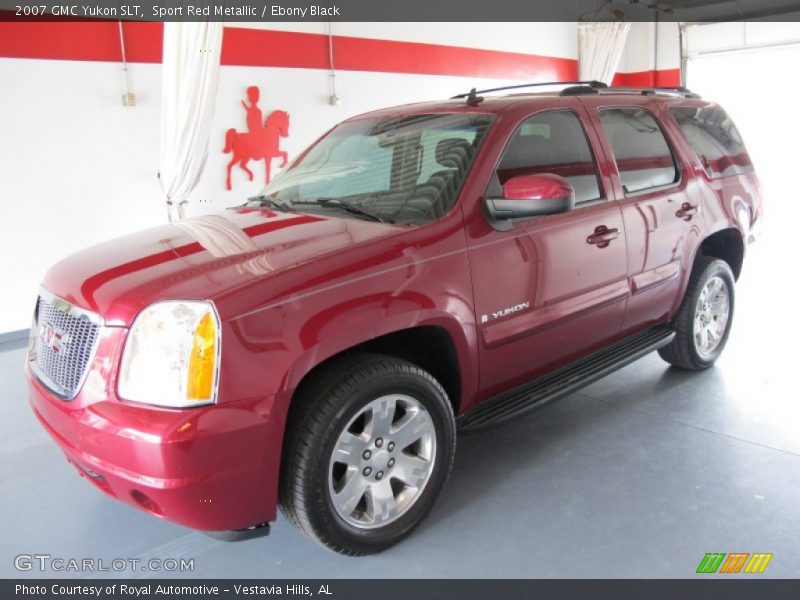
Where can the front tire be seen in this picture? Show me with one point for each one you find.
(370, 443)
(704, 319)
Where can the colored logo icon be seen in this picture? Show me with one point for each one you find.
(735, 562)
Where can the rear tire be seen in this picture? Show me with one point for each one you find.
(369, 446)
(704, 319)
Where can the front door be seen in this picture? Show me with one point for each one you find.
(552, 288)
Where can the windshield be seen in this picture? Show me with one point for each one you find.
(406, 170)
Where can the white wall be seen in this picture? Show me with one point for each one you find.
(76, 167)
(651, 46)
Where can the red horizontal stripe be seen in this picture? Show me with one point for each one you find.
(99, 41)
(265, 48)
(80, 40)
(652, 78)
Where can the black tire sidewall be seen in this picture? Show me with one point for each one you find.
(322, 514)
(716, 268)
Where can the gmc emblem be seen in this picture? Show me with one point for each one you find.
(53, 338)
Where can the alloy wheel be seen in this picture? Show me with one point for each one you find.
(711, 316)
(382, 461)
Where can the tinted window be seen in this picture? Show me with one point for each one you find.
(643, 157)
(406, 169)
(715, 138)
(552, 142)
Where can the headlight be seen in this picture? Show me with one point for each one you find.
(171, 355)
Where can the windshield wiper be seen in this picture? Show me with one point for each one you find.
(356, 209)
(267, 201)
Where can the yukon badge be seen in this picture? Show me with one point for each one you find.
(504, 312)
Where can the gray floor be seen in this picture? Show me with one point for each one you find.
(638, 475)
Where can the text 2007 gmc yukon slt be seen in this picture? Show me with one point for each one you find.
(417, 270)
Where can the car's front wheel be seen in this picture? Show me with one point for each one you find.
(369, 446)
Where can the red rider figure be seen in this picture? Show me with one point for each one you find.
(255, 122)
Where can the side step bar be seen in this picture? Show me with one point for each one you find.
(566, 380)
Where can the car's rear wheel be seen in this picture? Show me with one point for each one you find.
(704, 319)
(369, 446)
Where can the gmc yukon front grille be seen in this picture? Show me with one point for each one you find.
(63, 341)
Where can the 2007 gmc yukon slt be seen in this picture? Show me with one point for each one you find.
(417, 270)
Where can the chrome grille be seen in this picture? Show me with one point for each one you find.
(63, 343)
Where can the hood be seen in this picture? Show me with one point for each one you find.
(199, 258)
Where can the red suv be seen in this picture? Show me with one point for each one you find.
(417, 271)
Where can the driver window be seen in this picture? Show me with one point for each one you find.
(552, 142)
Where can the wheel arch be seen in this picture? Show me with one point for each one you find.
(727, 245)
(431, 347)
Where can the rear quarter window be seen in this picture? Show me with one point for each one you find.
(714, 138)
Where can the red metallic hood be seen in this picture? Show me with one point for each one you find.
(198, 258)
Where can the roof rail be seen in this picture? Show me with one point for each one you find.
(473, 92)
(677, 90)
(645, 91)
(577, 88)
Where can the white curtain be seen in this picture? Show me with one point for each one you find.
(600, 47)
(190, 72)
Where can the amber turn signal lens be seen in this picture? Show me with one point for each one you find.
(202, 362)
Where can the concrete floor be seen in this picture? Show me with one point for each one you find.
(638, 475)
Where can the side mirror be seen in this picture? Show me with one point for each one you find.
(532, 196)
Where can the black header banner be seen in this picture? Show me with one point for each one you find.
(402, 10)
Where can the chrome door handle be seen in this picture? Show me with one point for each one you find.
(686, 211)
(602, 236)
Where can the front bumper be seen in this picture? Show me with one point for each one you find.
(212, 468)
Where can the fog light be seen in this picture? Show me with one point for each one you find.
(146, 503)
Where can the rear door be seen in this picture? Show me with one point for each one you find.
(551, 288)
(660, 205)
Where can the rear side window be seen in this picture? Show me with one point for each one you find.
(643, 156)
(714, 138)
(552, 142)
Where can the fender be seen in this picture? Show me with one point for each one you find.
(462, 333)
(269, 350)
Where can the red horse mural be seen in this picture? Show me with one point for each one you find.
(262, 140)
